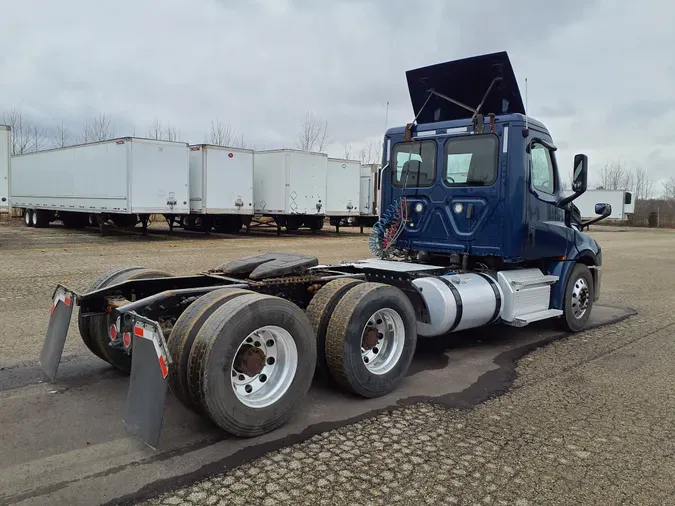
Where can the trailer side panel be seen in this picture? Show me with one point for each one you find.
(86, 178)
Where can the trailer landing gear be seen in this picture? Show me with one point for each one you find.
(144, 223)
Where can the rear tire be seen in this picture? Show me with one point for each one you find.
(28, 217)
(84, 322)
(319, 311)
(239, 338)
(183, 335)
(371, 339)
(98, 325)
(578, 302)
(40, 218)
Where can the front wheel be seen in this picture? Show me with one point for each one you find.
(579, 296)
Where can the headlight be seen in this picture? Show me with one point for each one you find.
(419, 207)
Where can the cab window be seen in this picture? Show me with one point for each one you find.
(471, 160)
(542, 171)
(415, 164)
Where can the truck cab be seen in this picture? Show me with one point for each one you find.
(479, 184)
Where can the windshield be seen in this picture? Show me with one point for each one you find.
(471, 161)
(415, 164)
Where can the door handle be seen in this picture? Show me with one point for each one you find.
(530, 235)
(469, 211)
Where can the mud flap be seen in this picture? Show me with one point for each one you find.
(57, 330)
(148, 383)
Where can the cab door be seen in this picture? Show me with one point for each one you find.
(547, 234)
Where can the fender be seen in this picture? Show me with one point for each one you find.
(563, 268)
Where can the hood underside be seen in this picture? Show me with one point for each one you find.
(466, 81)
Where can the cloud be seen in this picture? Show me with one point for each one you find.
(599, 73)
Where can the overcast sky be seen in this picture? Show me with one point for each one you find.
(601, 74)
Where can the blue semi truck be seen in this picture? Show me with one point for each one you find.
(474, 230)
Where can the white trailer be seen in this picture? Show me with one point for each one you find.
(290, 186)
(221, 188)
(124, 180)
(5, 134)
(365, 214)
(368, 193)
(621, 201)
(343, 183)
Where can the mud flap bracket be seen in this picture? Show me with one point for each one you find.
(148, 384)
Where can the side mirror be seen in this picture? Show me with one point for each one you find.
(603, 209)
(580, 178)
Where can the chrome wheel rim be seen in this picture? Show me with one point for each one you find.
(382, 341)
(580, 298)
(27, 217)
(264, 366)
(33, 217)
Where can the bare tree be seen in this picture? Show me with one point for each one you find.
(171, 133)
(61, 136)
(615, 176)
(669, 188)
(371, 153)
(220, 134)
(21, 131)
(160, 132)
(224, 135)
(348, 147)
(99, 128)
(38, 138)
(156, 130)
(313, 134)
(643, 185)
(565, 184)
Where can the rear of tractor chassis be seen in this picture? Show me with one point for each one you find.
(239, 351)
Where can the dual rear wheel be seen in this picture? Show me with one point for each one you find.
(246, 360)
(366, 335)
(242, 359)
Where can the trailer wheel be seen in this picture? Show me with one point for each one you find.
(28, 217)
(251, 363)
(98, 325)
(183, 335)
(84, 322)
(319, 311)
(40, 218)
(578, 301)
(371, 339)
(315, 224)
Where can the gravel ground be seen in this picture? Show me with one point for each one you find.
(588, 420)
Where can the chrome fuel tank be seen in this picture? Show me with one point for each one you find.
(459, 302)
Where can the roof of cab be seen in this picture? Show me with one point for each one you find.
(459, 123)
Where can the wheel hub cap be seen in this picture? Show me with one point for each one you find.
(382, 341)
(264, 366)
(370, 338)
(580, 298)
(250, 360)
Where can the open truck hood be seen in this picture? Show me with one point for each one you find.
(465, 81)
